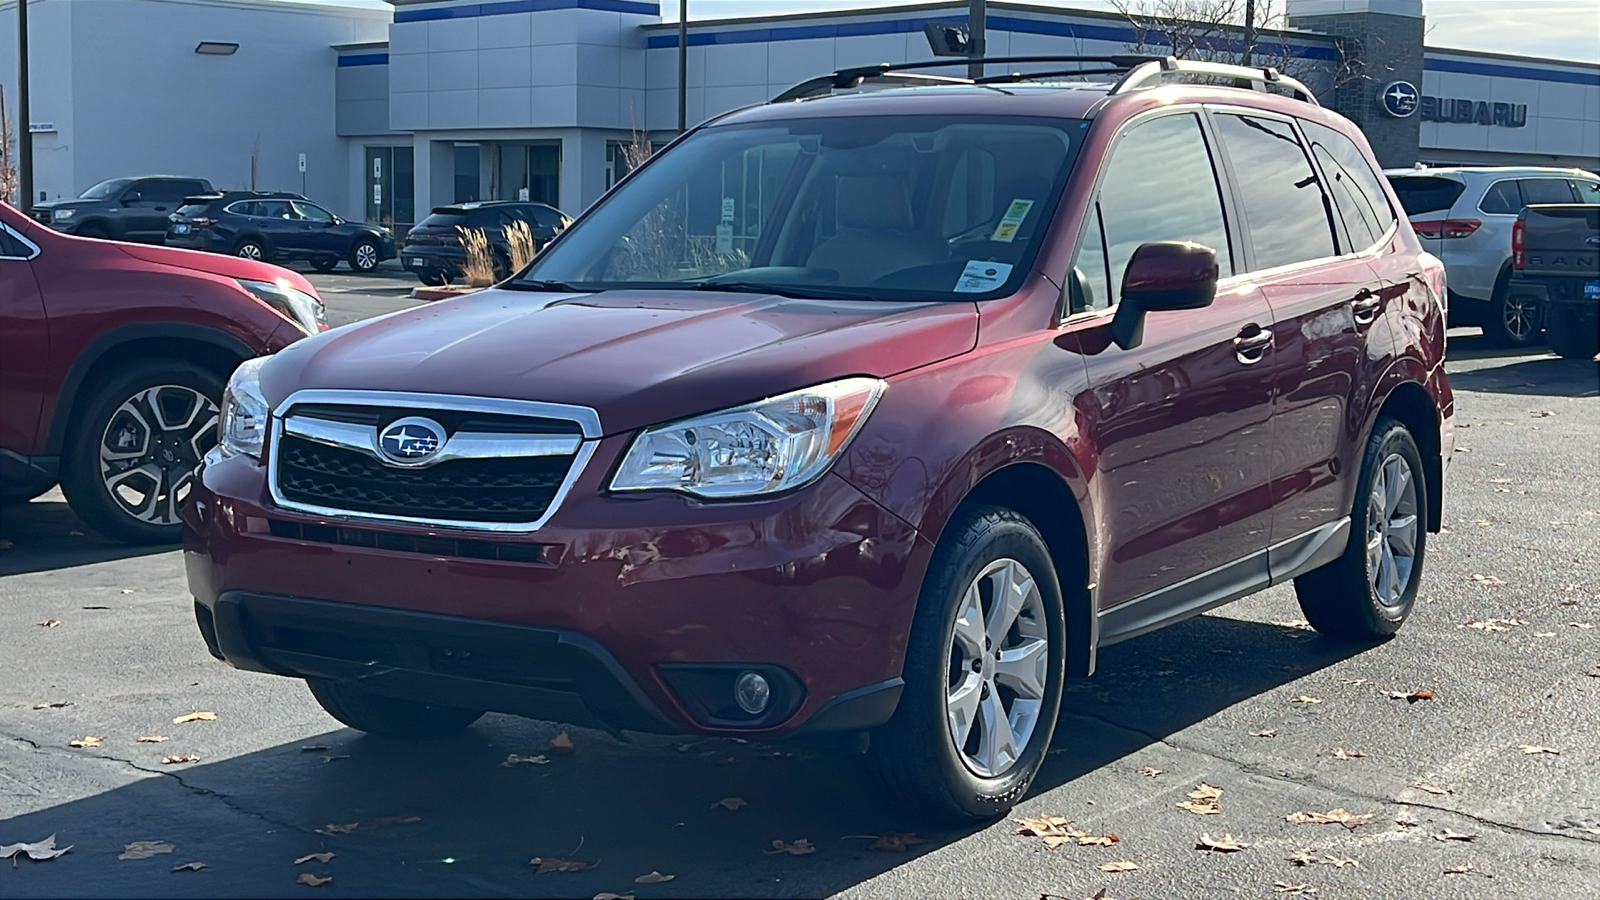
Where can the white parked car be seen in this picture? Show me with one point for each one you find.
(1464, 216)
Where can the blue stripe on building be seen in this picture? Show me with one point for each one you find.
(364, 59)
(1504, 70)
(506, 7)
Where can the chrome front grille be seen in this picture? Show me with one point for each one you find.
(499, 465)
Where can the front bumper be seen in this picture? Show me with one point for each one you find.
(623, 612)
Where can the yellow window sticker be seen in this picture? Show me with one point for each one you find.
(1006, 231)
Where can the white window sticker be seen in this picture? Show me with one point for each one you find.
(1006, 231)
(982, 276)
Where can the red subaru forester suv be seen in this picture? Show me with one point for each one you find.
(861, 410)
(112, 361)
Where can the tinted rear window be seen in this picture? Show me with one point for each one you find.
(1426, 195)
(194, 209)
(443, 220)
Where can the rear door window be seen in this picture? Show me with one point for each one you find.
(1159, 185)
(1502, 198)
(273, 209)
(1357, 191)
(1546, 190)
(1285, 212)
(1424, 194)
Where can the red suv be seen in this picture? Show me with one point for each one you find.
(861, 410)
(112, 363)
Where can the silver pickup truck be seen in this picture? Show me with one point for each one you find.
(1555, 261)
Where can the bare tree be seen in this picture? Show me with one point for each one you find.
(1239, 32)
(10, 182)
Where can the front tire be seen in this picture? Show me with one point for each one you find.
(1573, 336)
(133, 447)
(1366, 593)
(984, 672)
(388, 716)
(364, 256)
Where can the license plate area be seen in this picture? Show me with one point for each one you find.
(1591, 290)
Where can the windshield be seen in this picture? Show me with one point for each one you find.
(106, 189)
(889, 207)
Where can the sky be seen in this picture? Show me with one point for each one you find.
(1561, 29)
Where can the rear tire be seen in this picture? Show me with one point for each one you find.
(324, 263)
(251, 249)
(1573, 336)
(1513, 320)
(1367, 592)
(364, 256)
(433, 279)
(132, 448)
(388, 716)
(977, 713)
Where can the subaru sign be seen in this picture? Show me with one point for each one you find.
(1399, 98)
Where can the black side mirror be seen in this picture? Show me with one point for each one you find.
(131, 198)
(1163, 275)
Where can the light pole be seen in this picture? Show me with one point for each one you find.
(976, 13)
(683, 66)
(25, 133)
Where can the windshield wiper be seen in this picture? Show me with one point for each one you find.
(795, 291)
(531, 284)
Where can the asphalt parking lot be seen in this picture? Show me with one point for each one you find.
(1489, 789)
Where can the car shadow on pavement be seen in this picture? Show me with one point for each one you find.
(458, 817)
(1544, 376)
(44, 534)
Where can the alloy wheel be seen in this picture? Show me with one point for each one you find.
(366, 257)
(151, 447)
(999, 659)
(1392, 523)
(1521, 318)
(249, 251)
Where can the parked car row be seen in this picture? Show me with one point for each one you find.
(190, 213)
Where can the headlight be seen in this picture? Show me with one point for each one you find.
(61, 215)
(243, 425)
(295, 305)
(762, 448)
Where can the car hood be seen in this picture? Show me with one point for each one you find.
(637, 358)
(67, 203)
(216, 264)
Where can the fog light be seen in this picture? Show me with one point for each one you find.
(752, 692)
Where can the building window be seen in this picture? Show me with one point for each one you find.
(391, 189)
(529, 172)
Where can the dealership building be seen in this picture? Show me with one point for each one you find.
(383, 114)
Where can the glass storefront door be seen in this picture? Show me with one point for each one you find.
(529, 171)
(391, 190)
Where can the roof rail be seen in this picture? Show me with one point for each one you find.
(1137, 72)
(1254, 77)
(845, 79)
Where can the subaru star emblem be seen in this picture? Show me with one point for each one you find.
(411, 441)
(1399, 98)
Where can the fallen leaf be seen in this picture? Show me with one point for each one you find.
(1150, 771)
(313, 748)
(1293, 623)
(152, 739)
(513, 760)
(74, 533)
(895, 841)
(49, 623)
(1339, 862)
(310, 880)
(1544, 634)
(1121, 865)
(1579, 625)
(1462, 869)
(53, 704)
(1411, 697)
(330, 758)
(798, 848)
(1439, 789)
(1265, 733)
(1452, 835)
(1541, 413)
(1342, 753)
(1593, 673)
(1533, 748)
(145, 849)
(1098, 840)
(338, 829)
(1284, 887)
(127, 590)
(319, 857)
(1491, 625)
(90, 741)
(180, 758)
(1225, 844)
(1204, 800)
(1305, 699)
(45, 849)
(188, 866)
(396, 820)
(1339, 816)
(195, 717)
(1486, 579)
(1354, 681)
(730, 803)
(1302, 858)
(653, 877)
(562, 743)
(548, 864)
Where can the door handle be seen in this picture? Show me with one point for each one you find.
(1365, 306)
(1252, 343)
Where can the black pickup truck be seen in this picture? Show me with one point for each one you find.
(1555, 260)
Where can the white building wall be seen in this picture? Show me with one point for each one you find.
(1563, 116)
(52, 58)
